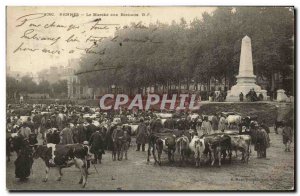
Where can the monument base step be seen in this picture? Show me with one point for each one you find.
(232, 99)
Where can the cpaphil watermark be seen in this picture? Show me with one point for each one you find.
(150, 102)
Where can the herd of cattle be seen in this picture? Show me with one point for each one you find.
(172, 133)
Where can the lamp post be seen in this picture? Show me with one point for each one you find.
(113, 87)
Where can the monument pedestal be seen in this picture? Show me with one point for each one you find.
(233, 94)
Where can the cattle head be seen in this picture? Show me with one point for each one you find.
(192, 133)
(182, 143)
(170, 141)
(199, 145)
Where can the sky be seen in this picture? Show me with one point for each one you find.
(40, 37)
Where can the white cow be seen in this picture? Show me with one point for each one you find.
(24, 118)
(233, 120)
(164, 115)
(96, 123)
(197, 146)
(131, 118)
(91, 116)
(194, 116)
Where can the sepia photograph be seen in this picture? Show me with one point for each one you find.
(150, 98)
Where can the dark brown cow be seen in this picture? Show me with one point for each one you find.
(218, 145)
(162, 142)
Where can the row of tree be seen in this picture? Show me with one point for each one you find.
(139, 56)
(26, 85)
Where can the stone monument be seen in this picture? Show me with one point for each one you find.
(246, 79)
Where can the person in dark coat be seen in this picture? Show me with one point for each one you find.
(141, 137)
(24, 161)
(287, 137)
(262, 142)
(81, 131)
(53, 121)
(97, 147)
(241, 97)
(48, 124)
(265, 127)
(90, 129)
(214, 123)
(108, 136)
(75, 134)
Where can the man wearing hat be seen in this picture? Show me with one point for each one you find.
(141, 137)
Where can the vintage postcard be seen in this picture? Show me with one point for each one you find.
(150, 98)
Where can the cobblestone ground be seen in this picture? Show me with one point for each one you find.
(274, 173)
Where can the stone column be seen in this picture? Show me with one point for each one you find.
(246, 63)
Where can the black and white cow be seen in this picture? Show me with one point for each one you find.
(61, 156)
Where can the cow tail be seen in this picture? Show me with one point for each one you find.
(180, 147)
(31, 169)
(249, 147)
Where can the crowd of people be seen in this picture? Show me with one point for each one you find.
(70, 124)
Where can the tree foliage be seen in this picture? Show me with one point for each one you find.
(27, 85)
(165, 54)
